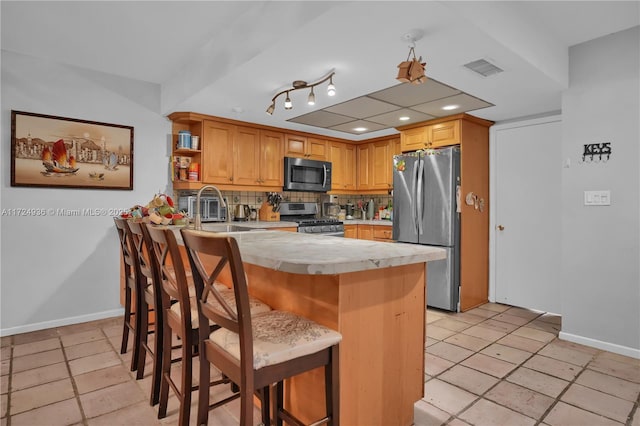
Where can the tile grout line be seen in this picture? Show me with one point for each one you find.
(85, 421)
(501, 379)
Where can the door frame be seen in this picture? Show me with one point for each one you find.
(554, 117)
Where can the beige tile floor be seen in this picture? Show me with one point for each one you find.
(494, 365)
(502, 365)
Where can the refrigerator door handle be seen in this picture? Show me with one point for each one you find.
(419, 200)
(413, 206)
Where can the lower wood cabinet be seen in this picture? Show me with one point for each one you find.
(369, 232)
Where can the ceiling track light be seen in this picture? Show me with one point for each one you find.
(412, 70)
(300, 84)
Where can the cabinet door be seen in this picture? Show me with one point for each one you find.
(217, 152)
(382, 233)
(365, 232)
(351, 231)
(350, 167)
(316, 149)
(414, 139)
(336, 156)
(271, 162)
(295, 146)
(380, 165)
(247, 156)
(364, 166)
(444, 134)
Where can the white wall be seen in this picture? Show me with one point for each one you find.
(601, 245)
(60, 270)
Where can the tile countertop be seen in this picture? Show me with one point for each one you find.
(300, 253)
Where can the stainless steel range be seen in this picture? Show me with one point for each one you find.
(306, 215)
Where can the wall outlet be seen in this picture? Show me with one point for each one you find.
(597, 198)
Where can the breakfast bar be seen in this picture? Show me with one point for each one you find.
(371, 292)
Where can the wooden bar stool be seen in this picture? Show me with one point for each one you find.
(150, 299)
(132, 300)
(182, 319)
(255, 352)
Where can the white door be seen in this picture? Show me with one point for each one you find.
(526, 236)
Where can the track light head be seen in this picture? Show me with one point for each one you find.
(271, 108)
(287, 102)
(331, 89)
(312, 98)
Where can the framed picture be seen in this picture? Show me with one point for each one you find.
(60, 152)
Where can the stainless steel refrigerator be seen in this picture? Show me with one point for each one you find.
(425, 211)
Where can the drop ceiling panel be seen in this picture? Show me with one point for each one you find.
(464, 101)
(362, 107)
(392, 119)
(406, 94)
(321, 118)
(349, 127)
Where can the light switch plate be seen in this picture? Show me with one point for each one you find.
(597, 198)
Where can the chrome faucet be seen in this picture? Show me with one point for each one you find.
(198, 221)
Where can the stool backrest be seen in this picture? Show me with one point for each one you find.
(129, 255)
(147, 264)
(221, 252)
(171, 271)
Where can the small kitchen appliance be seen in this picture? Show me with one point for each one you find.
(306, 175)
(241, 212)
(210, 208)
(306, 216)
(349, 207)
(330, 206)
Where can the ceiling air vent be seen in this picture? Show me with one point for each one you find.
(483, 67)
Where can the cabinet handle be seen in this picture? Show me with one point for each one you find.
(500, 228)
(231, 178)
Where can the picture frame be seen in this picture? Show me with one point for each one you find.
(60, 152)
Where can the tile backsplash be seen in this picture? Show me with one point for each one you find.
(255, 199)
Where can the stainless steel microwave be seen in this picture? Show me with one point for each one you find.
(306, 175)
(210, 208)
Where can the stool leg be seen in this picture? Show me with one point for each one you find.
(166, 372)
(265, 406)
(136, 335)
(278, 403)
(187, 380)
(143, 333)
(127, 319)
(203, 391)
(158, 343)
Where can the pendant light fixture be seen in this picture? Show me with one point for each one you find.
(300, 84)
(412, 70)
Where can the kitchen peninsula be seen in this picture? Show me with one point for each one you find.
(373, 293)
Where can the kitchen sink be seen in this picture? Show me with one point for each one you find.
(228, 228)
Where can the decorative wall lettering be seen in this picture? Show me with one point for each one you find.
(596, 152)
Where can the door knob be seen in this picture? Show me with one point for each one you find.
(500, 228)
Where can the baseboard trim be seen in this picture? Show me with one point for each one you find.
(606, 346)
(61, 322)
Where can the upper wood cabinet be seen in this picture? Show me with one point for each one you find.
(271, 158)
(431, 136)
(306, 147)
(239, 155)
(375, 164)
(343, 165)
(217, 153)
(364, 166)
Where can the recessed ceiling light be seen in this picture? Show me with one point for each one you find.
(404, 118)
(360, 129)
(450, 107)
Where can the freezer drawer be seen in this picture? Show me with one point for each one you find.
(443, 282)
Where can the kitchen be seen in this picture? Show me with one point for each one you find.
(74, 278)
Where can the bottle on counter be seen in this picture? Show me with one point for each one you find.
(371, 208)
